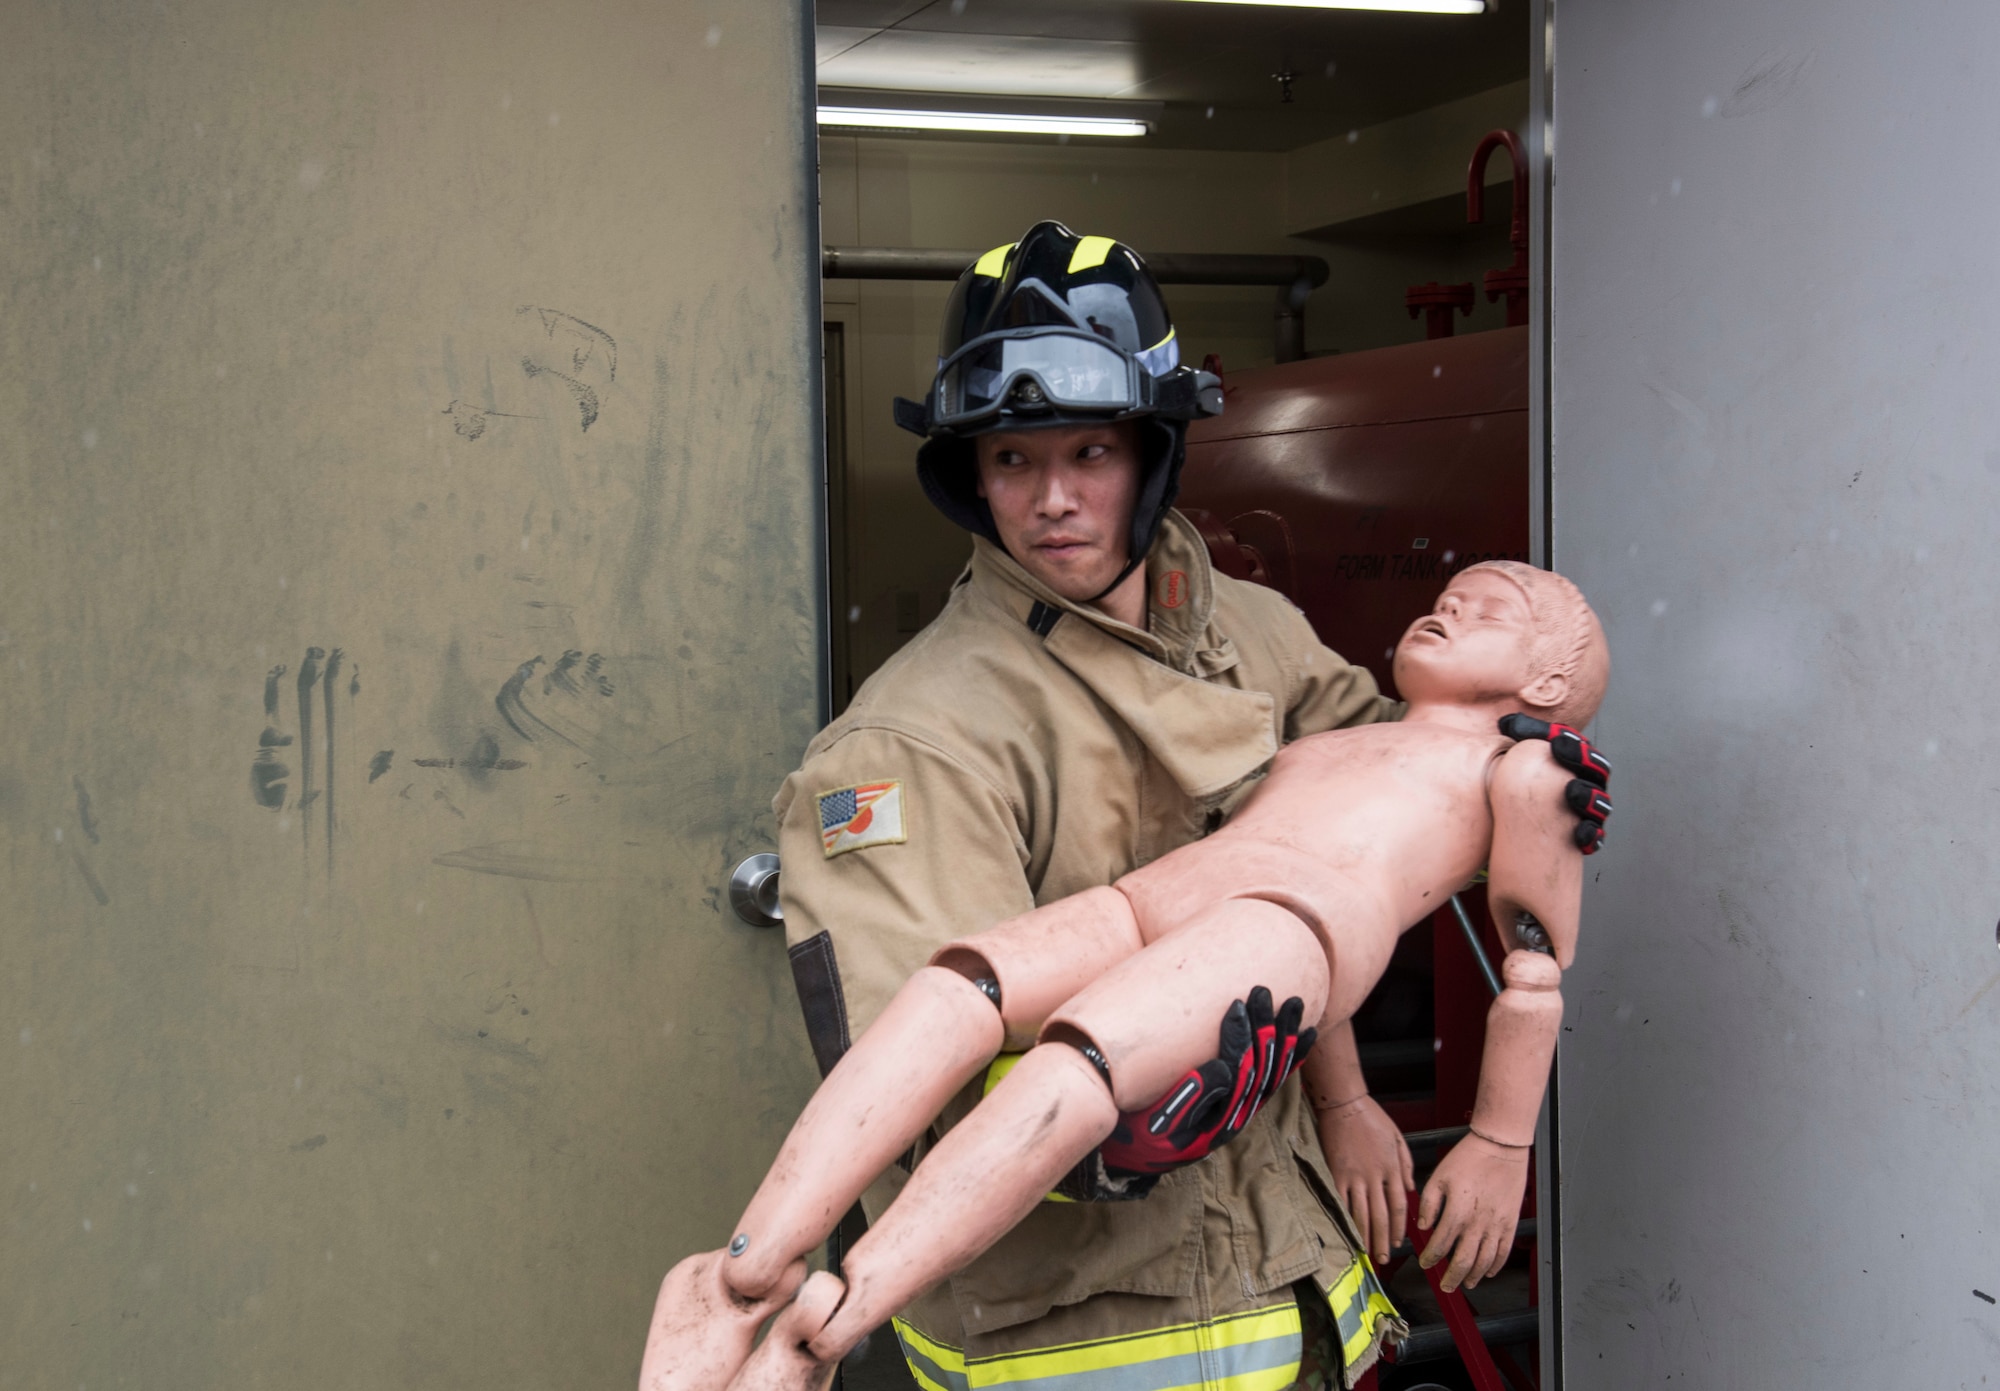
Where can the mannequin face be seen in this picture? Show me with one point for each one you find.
(1477, 645)
(1062, 501)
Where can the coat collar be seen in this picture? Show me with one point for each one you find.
(1180, 599)
(1159, 682)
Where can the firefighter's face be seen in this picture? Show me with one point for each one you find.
(1062, 501)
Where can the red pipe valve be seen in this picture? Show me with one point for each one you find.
(1512, 280)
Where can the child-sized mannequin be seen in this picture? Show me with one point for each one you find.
(1355, 835)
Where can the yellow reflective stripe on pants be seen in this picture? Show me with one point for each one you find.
(1254, 1351)
(1358, 1300)
(934, 1366)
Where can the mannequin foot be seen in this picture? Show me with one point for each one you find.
(702, 1330)
(784, 1362)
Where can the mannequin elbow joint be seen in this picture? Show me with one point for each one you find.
(1528, 970)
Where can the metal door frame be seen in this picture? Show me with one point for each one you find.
(1540, 143)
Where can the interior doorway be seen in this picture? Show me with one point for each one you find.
(1342, 138)
(1342, 135)
(833, 373)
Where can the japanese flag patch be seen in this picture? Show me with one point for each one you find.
(854, 818)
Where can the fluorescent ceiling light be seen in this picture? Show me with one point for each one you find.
(1016, 65)
(982, 122)
(1399, 6)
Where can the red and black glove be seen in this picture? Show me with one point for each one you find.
(1207, 1108)
(1586, 795)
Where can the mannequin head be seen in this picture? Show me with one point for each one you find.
(1507, 633)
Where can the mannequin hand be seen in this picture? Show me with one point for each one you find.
(1585, 796)
(1470, 1207)
(1372, 1170)
(1208, 1107)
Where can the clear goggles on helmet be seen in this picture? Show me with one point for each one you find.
(1037, 369)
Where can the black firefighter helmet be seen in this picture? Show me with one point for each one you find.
(1053, 330)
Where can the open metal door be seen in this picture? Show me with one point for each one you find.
(1776, 470)
(409, 531)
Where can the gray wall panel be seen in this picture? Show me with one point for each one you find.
(1776, 362)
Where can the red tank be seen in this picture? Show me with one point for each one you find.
(1359, 484)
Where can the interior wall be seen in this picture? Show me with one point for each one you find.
(1776, 471)
(901, 556)
(1395, 163)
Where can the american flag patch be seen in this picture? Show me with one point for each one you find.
(854, 818)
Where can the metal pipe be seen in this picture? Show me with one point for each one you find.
(1295, 276)
(1420, 1140)
(1397, 1052)
(1432, 1342)
(1478, 948)
(892, 263)
(1435, 1140)
(1289, 319)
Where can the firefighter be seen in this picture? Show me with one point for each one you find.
(1092, 696)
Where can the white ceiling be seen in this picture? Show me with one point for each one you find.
(1213, 66)
(1020, 64)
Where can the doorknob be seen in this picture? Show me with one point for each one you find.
(753, 891)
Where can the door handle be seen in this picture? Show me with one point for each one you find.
(753, 891)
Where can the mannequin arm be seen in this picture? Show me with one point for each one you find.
(1370, 1162)
(1331, 1073)
(1474, 1198)
(1521, 1030)
(1534, 865)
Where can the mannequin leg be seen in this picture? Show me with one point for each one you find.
(909, 1064)
(702, 1329)
(934, 1037)
(1155, 1015)
(785, 1361)
(870, 1109)
(1158, 1011)
(984, 1176)
(1040, 959)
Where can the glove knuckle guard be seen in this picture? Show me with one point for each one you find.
(1259, 1049)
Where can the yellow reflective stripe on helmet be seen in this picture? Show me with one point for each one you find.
(1254, 1351)
(994, 262)
(1358, 1301)
(1090, 252)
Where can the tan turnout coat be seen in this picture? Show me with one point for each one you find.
(1038, 748)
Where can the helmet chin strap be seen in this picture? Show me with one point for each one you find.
(1123, 575)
